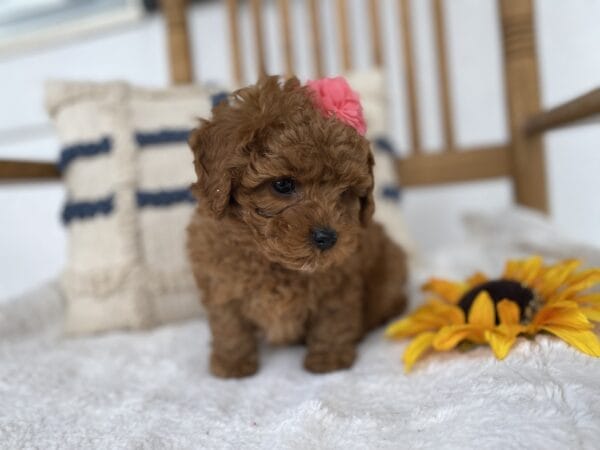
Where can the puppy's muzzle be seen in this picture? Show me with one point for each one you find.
(323, 238)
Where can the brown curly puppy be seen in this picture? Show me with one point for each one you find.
(282, 244)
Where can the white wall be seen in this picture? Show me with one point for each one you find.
(32, 242)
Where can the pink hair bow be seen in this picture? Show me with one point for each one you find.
(335, 97)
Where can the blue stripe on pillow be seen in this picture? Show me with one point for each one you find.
(384, 144)
(86, 210)
(164, 198)
(145, 139)
(218, 98)
(391, 192)
(90, 209)
(84, 149)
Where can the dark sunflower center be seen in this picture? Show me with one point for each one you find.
(500, 290)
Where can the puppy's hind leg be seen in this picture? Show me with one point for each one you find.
(385, 284)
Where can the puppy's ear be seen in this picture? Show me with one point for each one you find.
(367, 204)
(214, 182)
(221, 146)
(218, 153)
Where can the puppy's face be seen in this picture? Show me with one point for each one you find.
(300, 182)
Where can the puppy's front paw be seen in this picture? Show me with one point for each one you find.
(322, 361)
(226, 367)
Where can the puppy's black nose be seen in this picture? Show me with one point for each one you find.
(324, 238)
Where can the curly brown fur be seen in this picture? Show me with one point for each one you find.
(251, 247)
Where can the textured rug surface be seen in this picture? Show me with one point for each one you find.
(152, 390)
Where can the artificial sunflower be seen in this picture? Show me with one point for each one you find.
(530, 297)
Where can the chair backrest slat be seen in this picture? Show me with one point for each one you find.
(344, 36)
(409, 73)
(315, 25)
(444, 83)
(259, 42)
(234, 38)
(180, 60)
(523, 100)
(286, 34)
(375, 32)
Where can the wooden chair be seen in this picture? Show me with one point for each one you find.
(521, 158)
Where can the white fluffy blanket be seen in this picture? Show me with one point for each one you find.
(152, 389)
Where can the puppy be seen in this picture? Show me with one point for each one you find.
(282, 243)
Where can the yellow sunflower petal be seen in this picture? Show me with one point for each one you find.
(556, 276)
(452, 314)
(477, 278)
(511, 269)
(409, 326)
(591, 312)
(481, 313)
(450, 336)
(429, 317)
(582, 281)
(530, 270)
(584, 341)
(416, 348)
(590, 279)
(587, 299)
(508, 312)
(447, 290)
(501, 340)
(405, 327)
(578, 277)
(563, 314)
(525, 269)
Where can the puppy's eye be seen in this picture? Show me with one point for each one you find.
(284, 186)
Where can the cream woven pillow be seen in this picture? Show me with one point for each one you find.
(127, 169)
